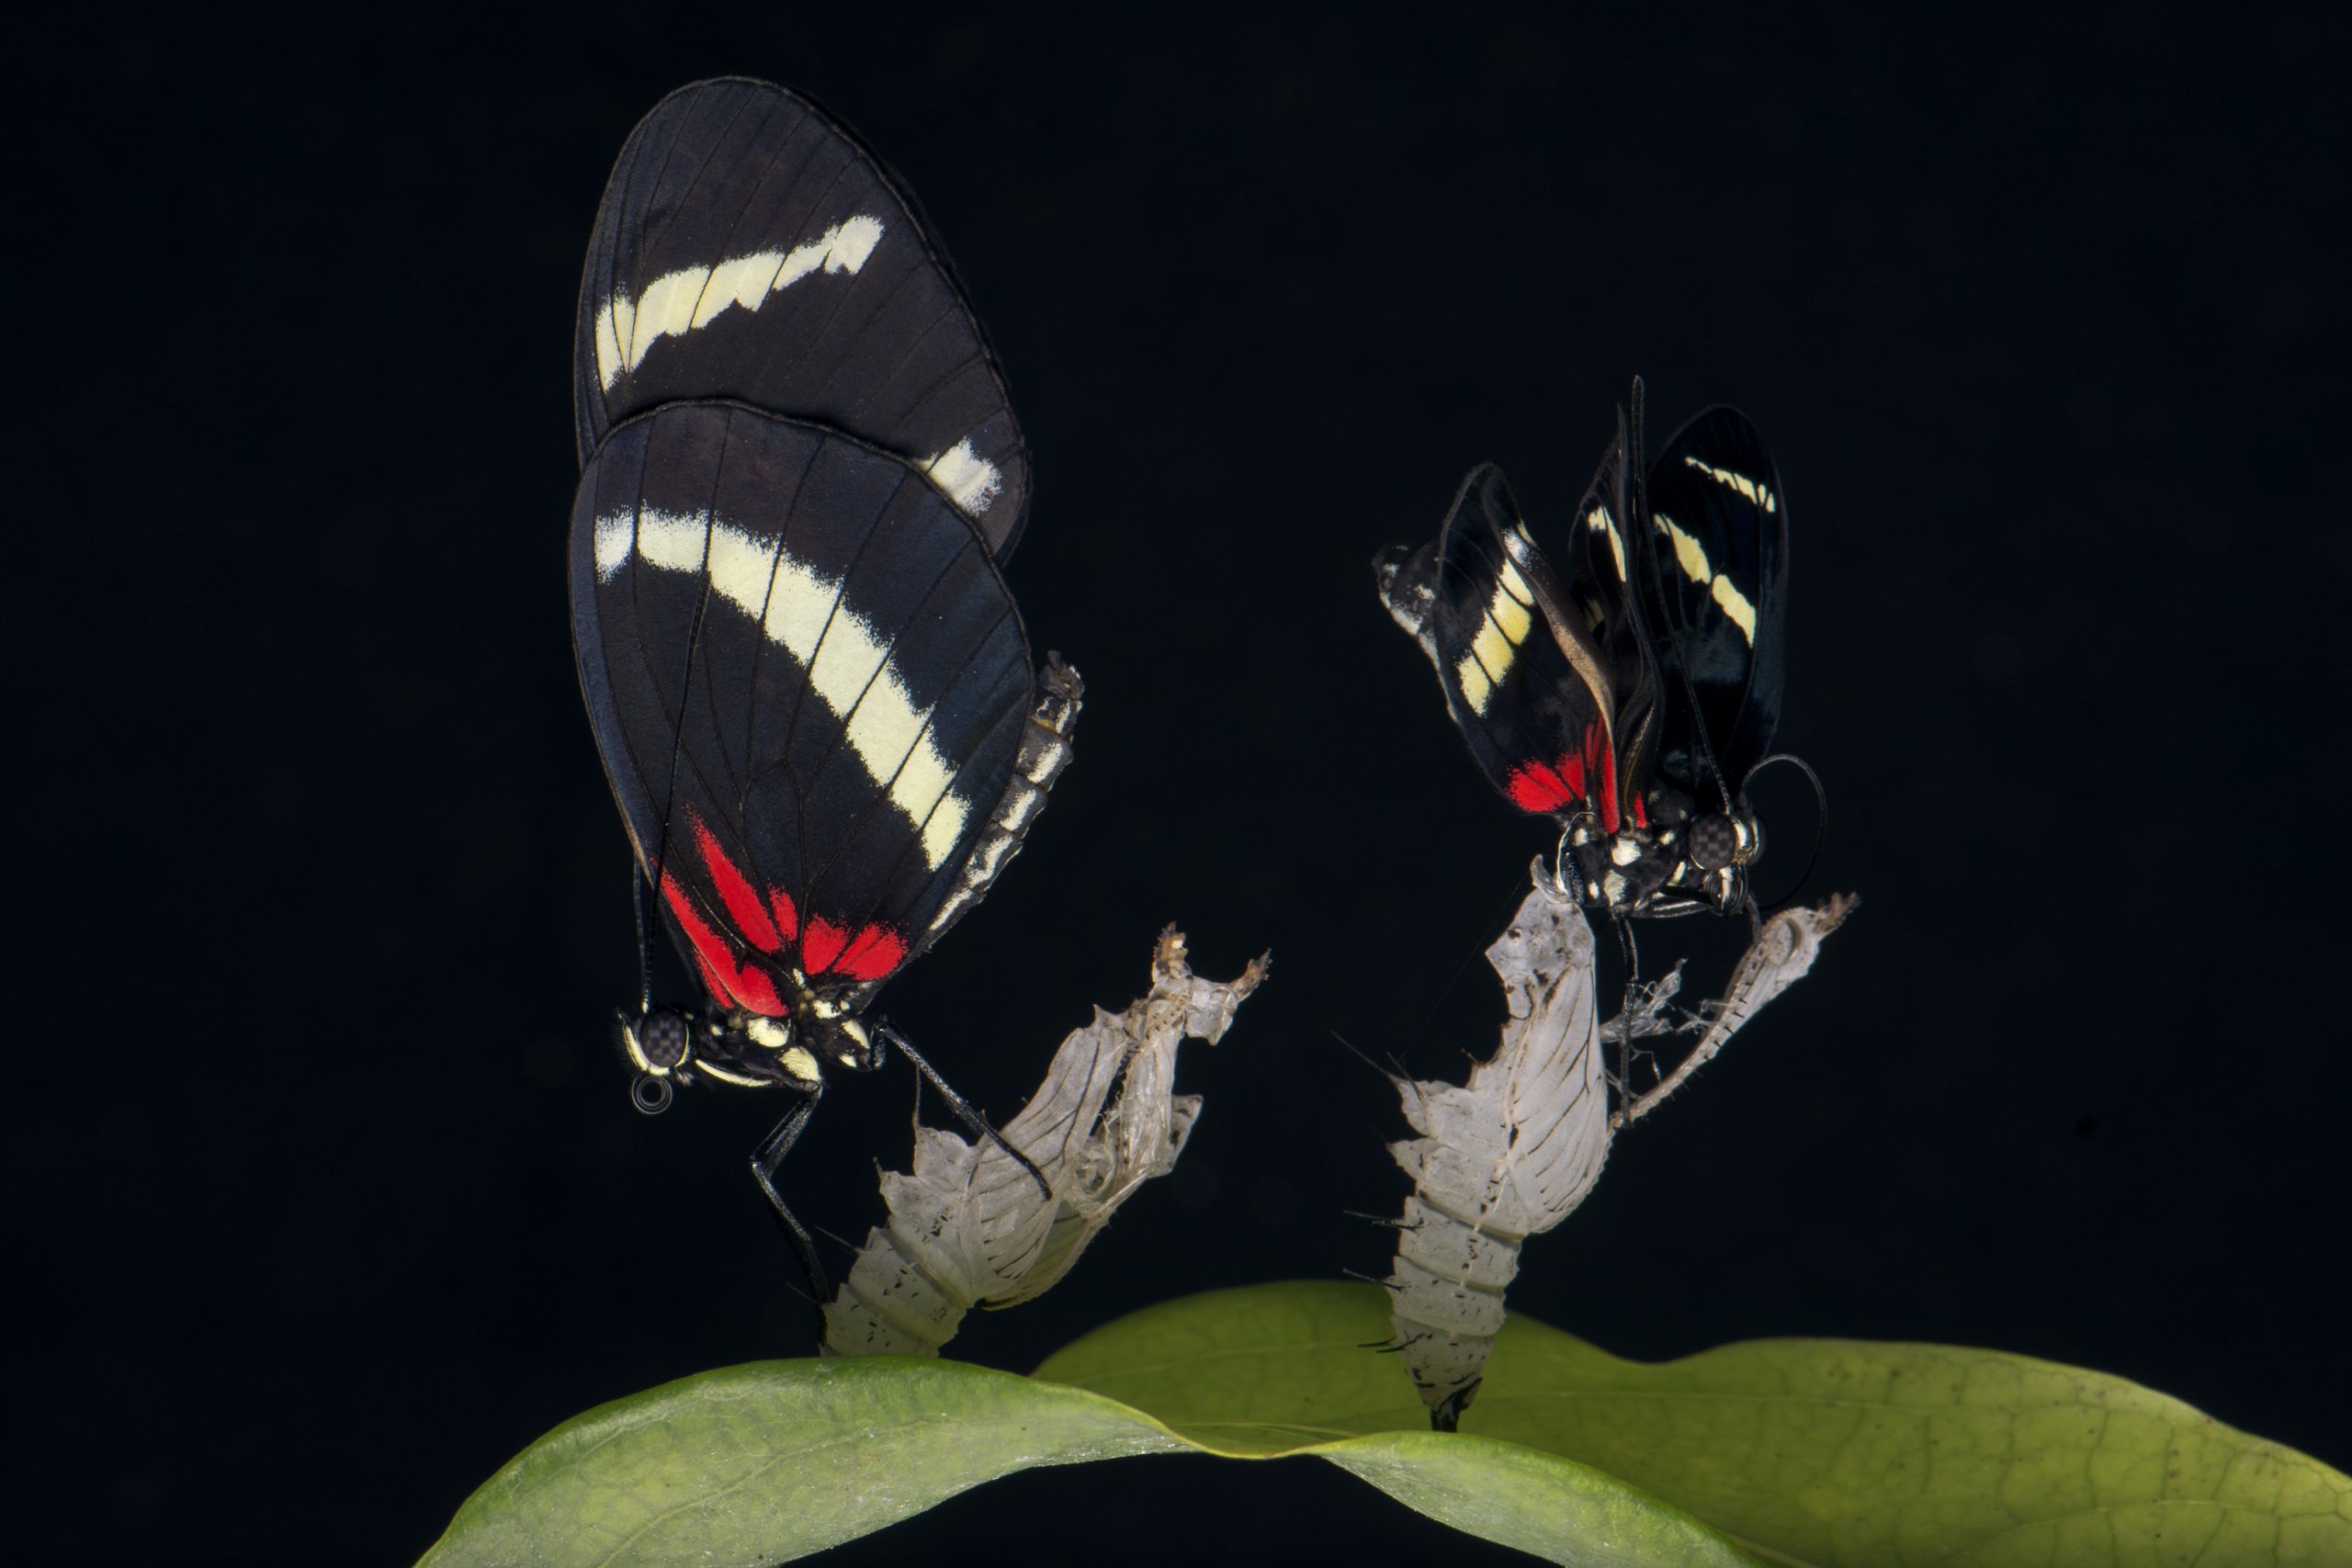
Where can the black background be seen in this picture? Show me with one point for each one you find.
(326, 1191)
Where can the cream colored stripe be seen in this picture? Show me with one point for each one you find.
(848, 666)
(672, 542)
(1759, 494)
(970, 481)
(1492, 649)
(1516, 586)
(615, 536)
(1688, 552)
(1736, 608)
(1599, 518)
(1471, 677)
(1692, 558)
(1510, 615)
(677, 302)
(1497, 644)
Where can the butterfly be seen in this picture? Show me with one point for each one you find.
(808, 682)
(1630, 698)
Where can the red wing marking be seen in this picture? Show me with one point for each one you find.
(1593, 740)
(735, 891)
(754, 992)
(1544, 788)
(737, 985)
(874, 952)
(869, 954)
(758, 995)
(1563, 782)
(821, 944)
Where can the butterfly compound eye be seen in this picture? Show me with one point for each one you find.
(1716, 842)
(656, 1042)
(661, 1036)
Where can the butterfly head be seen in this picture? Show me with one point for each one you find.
(1718, 849)
(659, 1043)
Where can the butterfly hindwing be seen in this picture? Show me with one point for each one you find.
(1719, 538)
(1610, 556)
(749, 247)
(1521, 678)
(807, 680)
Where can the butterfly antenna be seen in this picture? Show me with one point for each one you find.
(1699, 725)
(644, 939)
(1821, 820)
(1634, 445)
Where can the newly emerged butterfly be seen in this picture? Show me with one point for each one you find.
(1631, 698)
(808, 682)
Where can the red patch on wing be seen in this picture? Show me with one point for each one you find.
(1544, 788)
(1565, 781)
(1595, 743)
(735, 985)
(754, 992)
(735, 892)
(825, 946)
(821, 944)
(872, 953)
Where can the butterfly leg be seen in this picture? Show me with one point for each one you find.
(978, 1123)
(1625, 1009)
(765, 1161)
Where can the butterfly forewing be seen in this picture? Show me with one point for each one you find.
(749, 247)
(807, 683)
(1521, 679)
(1719, 535)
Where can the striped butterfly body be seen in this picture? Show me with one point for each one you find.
(1631, 698)
(807, 681)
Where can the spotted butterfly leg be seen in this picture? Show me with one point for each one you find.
(1045, 751)
(765, 1161)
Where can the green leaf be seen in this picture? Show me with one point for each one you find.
(1849, 1453)
(1800, 1451)
(775, 1459)
(1271, 1371)
(1835, 1452)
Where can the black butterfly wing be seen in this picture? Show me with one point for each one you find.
(1608, 556)
(1719, 534)
(1523, 681)
(807, 683)
(749, 247)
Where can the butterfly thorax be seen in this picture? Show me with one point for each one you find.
(750, 1050)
